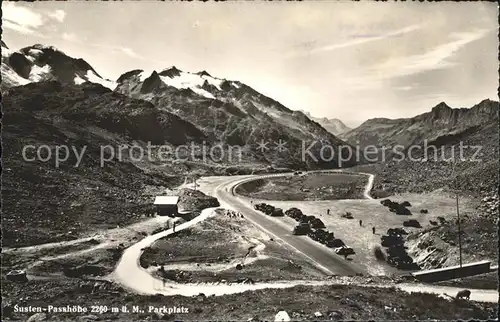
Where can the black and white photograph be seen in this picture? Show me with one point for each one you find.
(249, 160)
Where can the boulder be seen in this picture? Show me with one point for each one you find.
(335, 315)
(282, 316)
(17, 276)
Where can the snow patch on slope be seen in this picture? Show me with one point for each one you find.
(202, 92)
(38, 73)
(11, 78)
(78, 80)
(192, 81)
(92, 77)
(188, 80)
(6, 52)
(35, 52)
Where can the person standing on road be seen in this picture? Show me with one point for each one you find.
(373, 229)
(328, 211)
(361, 223)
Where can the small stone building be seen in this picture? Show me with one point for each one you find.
(166, 205)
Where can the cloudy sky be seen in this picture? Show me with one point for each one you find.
(347, 60)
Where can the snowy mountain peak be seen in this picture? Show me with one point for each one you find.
(44, 47)
(203, 73)
(200, 83)
(40, 63)
(171, 72)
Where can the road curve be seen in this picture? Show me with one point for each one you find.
(131, 275)
(323, 257)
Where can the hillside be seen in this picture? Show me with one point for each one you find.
(467, 136)
(74, 196)
(236, 114)
(441, 123)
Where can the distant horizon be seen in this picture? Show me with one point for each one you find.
(312, 56)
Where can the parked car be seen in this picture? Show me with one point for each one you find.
(301, 229)
(396, 231)
(277, 212)
(335, 243)
(412, 223)
(344, 250)
(294, 213)
(347, 215)
(317, 223)
(307, 219)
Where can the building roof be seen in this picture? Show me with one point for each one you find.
(166, 200)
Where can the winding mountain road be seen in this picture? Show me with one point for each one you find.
(323, 257)
(131, 275)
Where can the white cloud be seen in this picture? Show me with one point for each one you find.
(69, 37)
(433, 59)
(129, 52)
(404, 88)
(358, 41)
(20, 19)
(22, 29)
(58, 15)
(25, 20)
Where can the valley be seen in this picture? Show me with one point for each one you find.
(83, 227)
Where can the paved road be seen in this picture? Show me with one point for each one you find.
(131, 275)
(323, 257)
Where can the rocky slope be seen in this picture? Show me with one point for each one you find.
(234, 113)
(461, 151)
(466, 160)
(438, 126)
(42, 63)
(437, 246)
(43, 201)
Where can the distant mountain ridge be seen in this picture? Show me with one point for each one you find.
(332, 125)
